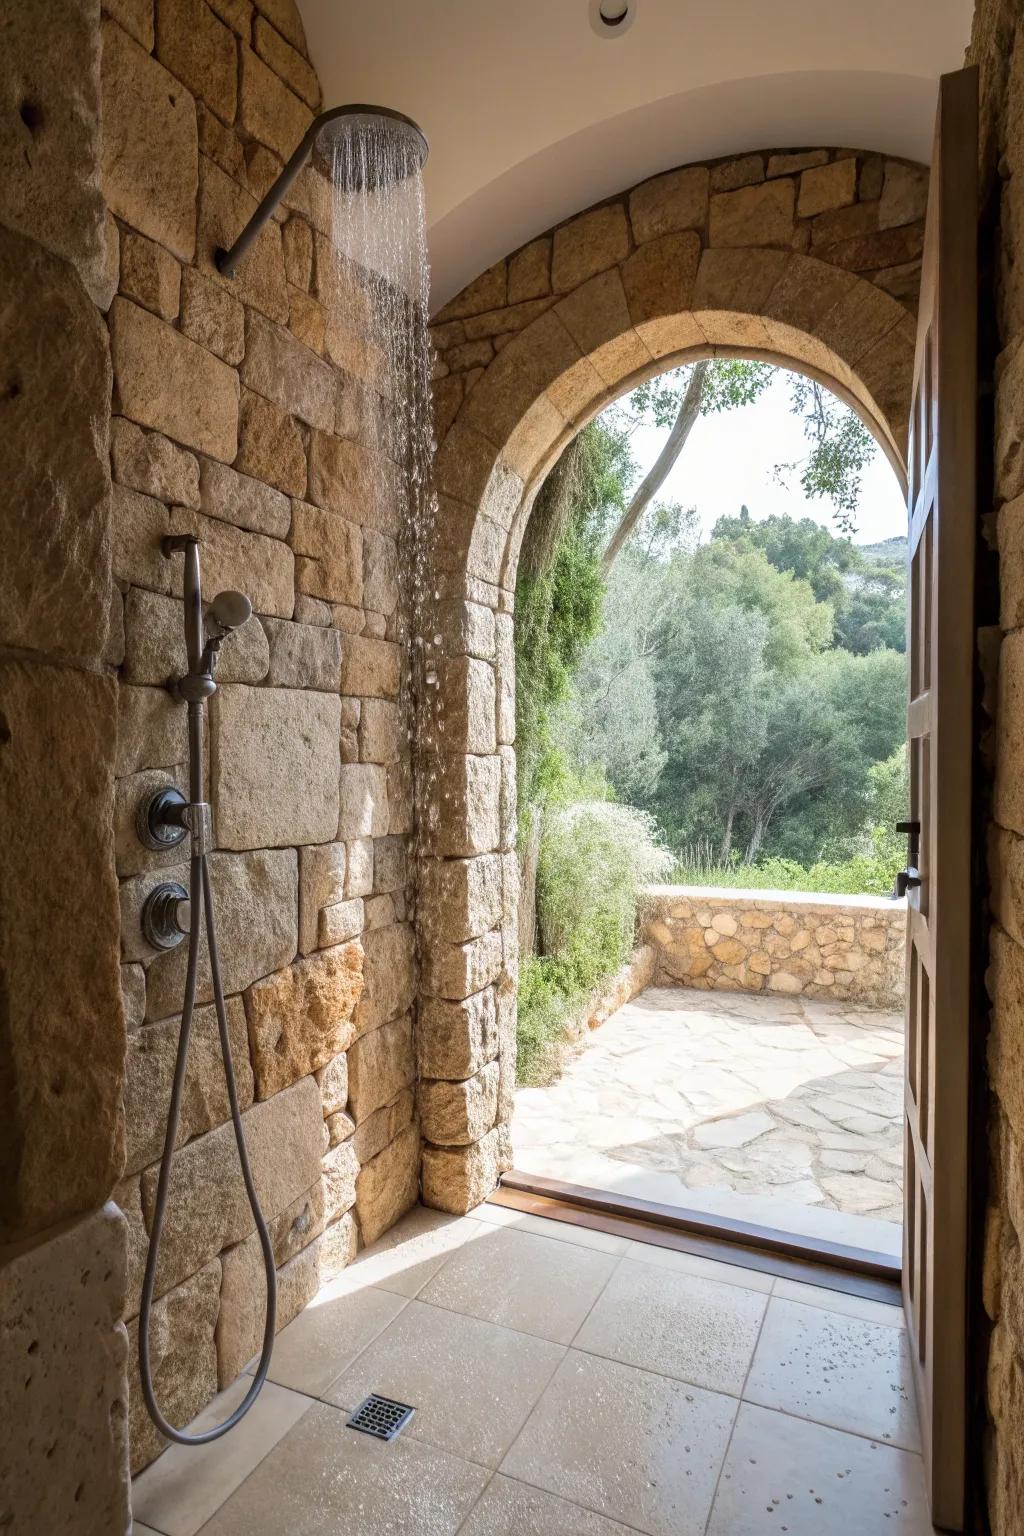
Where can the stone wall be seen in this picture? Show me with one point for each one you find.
(63, 1452)
(243, 411)
(997, 47)
(848, 949)
(808, 256)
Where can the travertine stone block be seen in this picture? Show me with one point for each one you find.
(164, 380)
(388, 1185)
(255, 900)
(665, 204)
(456, 1179)
(183, 1360)
(150, 463)
(389, 975)
(150, 275)
(62, 1102)
(300, 1018)
(329, 551)
(455, 1039)
(149, 1068)
(274, 768)
(200, 52)
(457, 1114)
(303, 656)
(756, 215)
(591, 243)
(63, 1358)
(268, 110)
(55, 525)
(270, 446)
(150, 146)
(212, 317)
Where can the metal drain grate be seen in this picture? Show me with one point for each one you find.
(381, 1416)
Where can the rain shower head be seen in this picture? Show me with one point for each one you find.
(346, 140)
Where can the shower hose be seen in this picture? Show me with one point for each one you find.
(201, 902)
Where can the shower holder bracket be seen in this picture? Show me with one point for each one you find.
(198, 818)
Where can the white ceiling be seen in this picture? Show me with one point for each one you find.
(530, 116)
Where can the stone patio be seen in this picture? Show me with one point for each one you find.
(778, 1110)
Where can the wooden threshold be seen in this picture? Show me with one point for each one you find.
(834, 1266)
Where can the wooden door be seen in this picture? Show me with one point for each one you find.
(941, 645)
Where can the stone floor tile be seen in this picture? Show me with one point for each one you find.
(695, 1264)
(326, 1480)
(680, 1324)
(408, 1255)
(186, 1485)
(643, 1449)
(784, 1474)
(548, 1226)
(533, 1284)
(843, 1371)
(324, 1339)
(842, 1302)
(472, 1383)
(509, 1508)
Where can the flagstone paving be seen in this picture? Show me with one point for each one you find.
(761, 1096)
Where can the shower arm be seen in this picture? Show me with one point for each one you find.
(226, 261)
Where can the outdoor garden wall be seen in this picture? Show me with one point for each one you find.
(842, 948)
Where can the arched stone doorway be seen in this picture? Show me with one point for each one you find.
(807, 259)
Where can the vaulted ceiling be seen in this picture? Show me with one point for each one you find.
(531, 115)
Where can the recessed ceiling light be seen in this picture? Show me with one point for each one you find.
(610, 18)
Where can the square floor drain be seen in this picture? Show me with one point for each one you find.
(381, 1416)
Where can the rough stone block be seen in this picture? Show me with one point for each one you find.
(665, 204)
(388, 1185)
(1009, 786)
(297, 240)
(456, 1179)
(165, 381)
(529, 272)
(338, 1246)
(382, 732)
(462, 815)
(268, 110)
(301, 1017)
(371, 668)
(150, 463)
(55, 525)
(225, 208)
(137, 525)
(62, 1103)
(363, 800)
(243, 1301)
(330, 554)
(658, 278)
(460, 899)
(359, 877)
(381, 590)
(207, 1207)
(904, 194)
(825, 187)
(149, 1068)
(390, 865)
(150, 275)
(248, 562)
(183, 1360)
(321, 884)
(211, 317)
(63, 1390)
(591, 243)
(243, 501)
(274, 769)
(789, 165)
(150, 145)
(458, 970)
(200, 52)
(755, 215)
(281, 368)
(270, 446)
(1009, 460)
(380, 1065)
(457, 1114)
(340, 1171)
(455, 1039)
(379, 1130)
(303, 656)
(286, 62)
(333, 1083)
(255, 901)
(389, 975)
(150, 729)
(467, 704)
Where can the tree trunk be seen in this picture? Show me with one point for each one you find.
(529, 858)
(550, 514)
(655, 478)
(726, 848)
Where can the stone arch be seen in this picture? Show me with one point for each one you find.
(807, 260)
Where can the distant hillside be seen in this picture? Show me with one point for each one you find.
(887, 552)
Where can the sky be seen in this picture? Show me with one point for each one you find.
(729, 458)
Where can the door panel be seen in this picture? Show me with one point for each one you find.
(940, 638)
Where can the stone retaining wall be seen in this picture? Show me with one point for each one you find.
(843, 948)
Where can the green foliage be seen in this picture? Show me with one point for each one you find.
(841, 446)
(861, 874)
(594, 858)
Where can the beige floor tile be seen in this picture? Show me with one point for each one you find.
(472, 1383)
(694, 1264)
(836, 1370)
(410, 1254)
(784, 1474)
(324, 1339)
(183, 1488)
(681, 1325)
(547, 1226)
(509, 1508)
(326, 1480)
(842, 1302)
(533, 1284)
(643, 1449)
(143, 1530)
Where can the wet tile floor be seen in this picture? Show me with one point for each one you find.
(566, 1383)
(736, 1104)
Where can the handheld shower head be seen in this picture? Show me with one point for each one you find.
(230, 610)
